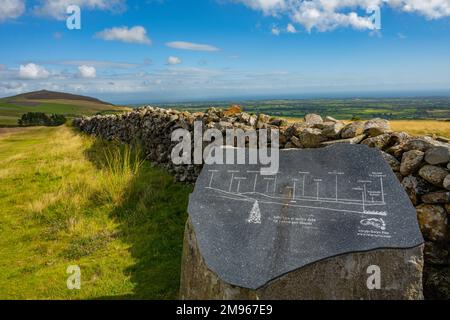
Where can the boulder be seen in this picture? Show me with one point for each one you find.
(399, 138)
(324, 280)
(296, 142)
(313, 119)
(252, 120)
(422, 143)
(332, 130)
(352, 130)
(446, 182)
(244, 117)
(436, 253)
(223, 125)
(410, 184)
(232, 110)
(437, 155)
(392, 161)
(312, 138)
(442, 139)
(214, 111)
(330, 119)
(379, 141)
(376, 127)
(239, 249)
(437, 283)
(411, 162)
(440, 197)
(354, 140)
(263, 118)
(278, 122)
(283, 138)
(396, 151)
(434, 175)
(296, 129)
(433, 222)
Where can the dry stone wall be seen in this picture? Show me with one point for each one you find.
(422, 164)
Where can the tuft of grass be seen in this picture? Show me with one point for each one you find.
(68, 199)
(122, 163)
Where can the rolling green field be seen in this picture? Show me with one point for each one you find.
(67, 199)
(12, 110)
(344, 109)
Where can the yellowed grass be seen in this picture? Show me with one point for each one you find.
(413, 127)
(422, 127)
(39, 205)
(4, 172)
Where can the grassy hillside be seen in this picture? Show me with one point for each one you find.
(12, 108)
(88, 203)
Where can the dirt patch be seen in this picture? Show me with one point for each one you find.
(10, 130)
(24, 103)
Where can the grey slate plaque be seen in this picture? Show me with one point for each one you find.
(252, 228)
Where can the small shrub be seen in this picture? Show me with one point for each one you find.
(41, 119)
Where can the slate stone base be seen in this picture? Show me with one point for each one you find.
(339, 278)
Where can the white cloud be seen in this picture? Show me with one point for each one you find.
(267, 6)
(191, 46)
(33, 71)
(275, 31)
(88, 72)
(136, 34)
(326, 15)
(173, 60)
(290, 28)
(11, 9)
(57, 8)
(432, 9)
(99, 64)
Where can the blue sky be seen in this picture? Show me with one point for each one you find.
(168, 50)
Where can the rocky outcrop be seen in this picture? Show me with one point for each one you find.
(421, 163)
(324, 280)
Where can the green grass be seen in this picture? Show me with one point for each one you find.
(67, 199)
(8, 121)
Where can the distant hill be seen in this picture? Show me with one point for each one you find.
(70, 105)
(53, 95)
